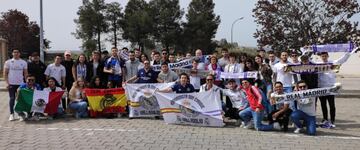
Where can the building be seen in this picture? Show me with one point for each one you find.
(50, 54)
(3, 53)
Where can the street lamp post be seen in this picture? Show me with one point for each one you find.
(232, 27)
(42, 46)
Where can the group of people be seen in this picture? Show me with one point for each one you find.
(244, 99)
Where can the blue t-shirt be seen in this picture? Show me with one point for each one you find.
(146, 77)
(116, 64)
(178, 88)
(23, 86)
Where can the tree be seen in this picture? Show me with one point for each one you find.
(201, 26)
(114, 16)
(91, 23)
(167, 15)
(138, 23)
(20, 33)
(296, 23)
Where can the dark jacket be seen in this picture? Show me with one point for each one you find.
(38, 71)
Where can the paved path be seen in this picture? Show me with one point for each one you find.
(122, 133)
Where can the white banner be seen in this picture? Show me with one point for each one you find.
(308, 93)
(181, 64)
(312, 68)
(142, 102)
(241, 75)
(199, 73)
(198, 109)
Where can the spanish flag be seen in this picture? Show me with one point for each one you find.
(106, 101)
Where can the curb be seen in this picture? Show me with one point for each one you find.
(3, 89)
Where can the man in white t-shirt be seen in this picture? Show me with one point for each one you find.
(280, 75)
(57, 71)
(284, 77)
(15, 70)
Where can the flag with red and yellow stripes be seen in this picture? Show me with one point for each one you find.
(106, 100)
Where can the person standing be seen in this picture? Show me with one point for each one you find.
(225, 57)
(132, 66)
(145, 75)
(233, 66)
(114, 67)
(57, 71)
(97, 67)
(166, 75)
(82, 69)
(68, 64)
(328, 79)
(37, 68)
(15, 70)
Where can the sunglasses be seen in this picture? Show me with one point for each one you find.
(164, 53)
(294, 55)
(209, 79)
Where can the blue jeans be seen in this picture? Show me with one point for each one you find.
(80, 108)
(248, 113)
(12, 96)
(310, 121)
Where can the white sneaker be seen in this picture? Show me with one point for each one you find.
(297, 130)
(250, 125)
(332, 125)
(276, 126)
(22, 118)
(242, 124)
(11, 117)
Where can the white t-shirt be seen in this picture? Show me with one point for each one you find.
(307, 106)
(284, 77)
(195, 81)
(16, 70)
(55, 71)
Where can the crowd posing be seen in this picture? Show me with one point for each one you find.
(248, 100)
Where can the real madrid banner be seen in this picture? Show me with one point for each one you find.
(106, 101)
(312, 68)
(142, 102)
(307, 93)
(240, 75)
(199, 73)
(198, 109)
(180, 64)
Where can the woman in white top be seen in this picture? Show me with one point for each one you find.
(233, 66)
(77, 99)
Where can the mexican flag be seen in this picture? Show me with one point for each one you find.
(102, 101)
(38, 101)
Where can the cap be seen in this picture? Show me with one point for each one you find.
(67, 53)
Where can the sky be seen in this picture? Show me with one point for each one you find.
(59, 18)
